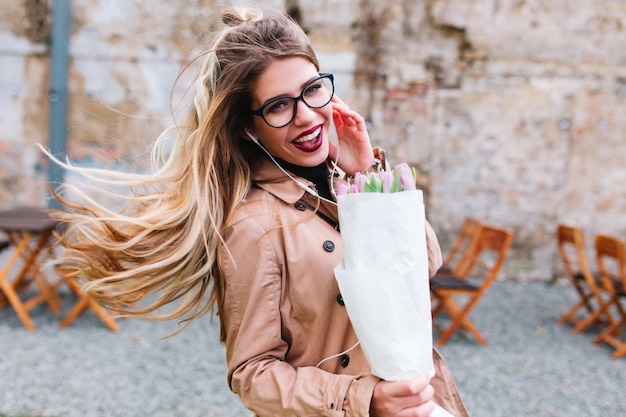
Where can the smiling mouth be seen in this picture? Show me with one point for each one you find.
(307, 138)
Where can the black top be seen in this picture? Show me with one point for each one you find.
(318, 175)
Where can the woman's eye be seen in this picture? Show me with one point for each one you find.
(277, 106)
(312, 88)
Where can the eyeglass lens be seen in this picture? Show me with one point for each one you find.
(282, 111)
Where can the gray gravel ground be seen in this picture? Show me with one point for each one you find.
(531, 366)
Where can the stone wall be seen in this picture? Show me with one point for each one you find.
(511, 110)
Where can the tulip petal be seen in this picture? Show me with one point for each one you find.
(407, 177)
(389, 182)
(343, 189)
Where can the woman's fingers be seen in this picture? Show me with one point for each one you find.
(343, 114)
(407, 388)
(400, 398)
(356, 149)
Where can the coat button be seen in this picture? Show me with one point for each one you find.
(340, 300)
(329, 246)
(300, 206)
(345, 360)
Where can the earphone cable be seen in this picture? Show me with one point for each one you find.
(300, 183)
(336, 355)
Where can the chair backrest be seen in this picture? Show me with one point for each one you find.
(488, 252)
(467, 235)
(571, 247)
(611, 257)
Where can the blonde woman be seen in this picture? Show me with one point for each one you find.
(241, 218)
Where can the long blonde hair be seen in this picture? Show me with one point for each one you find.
(165, 242)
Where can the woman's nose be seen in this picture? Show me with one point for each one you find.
(304, 113)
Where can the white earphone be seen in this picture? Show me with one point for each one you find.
(251, 136)
(300, 183)
(310, 191)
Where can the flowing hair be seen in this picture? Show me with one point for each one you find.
(163, 246)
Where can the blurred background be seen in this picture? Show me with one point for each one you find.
(512, 111)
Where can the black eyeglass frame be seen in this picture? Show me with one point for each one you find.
(259, 111)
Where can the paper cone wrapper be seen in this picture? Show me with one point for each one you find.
(384, 281)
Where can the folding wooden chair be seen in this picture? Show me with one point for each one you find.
(4, 244)
(457, 295)
(84, 302)
(571, 247)
(611, 257)
(29, 231)
(468, 239)
(458, 253)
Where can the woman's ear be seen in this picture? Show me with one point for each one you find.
(251, 136)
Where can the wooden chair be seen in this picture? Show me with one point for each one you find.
(30, 233)
(571, 247)
(611, 257)
(471, 231)
(458, 253)
(84, 302)
(457, 295)
(4, 244)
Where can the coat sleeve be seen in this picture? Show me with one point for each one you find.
(252, 267)
(435, 260)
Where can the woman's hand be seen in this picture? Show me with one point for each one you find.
(403, 398)
(355, 149)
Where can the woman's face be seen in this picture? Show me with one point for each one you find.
(305, 140)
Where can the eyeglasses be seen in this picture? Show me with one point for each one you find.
(281, 111)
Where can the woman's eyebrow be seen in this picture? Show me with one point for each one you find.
(285, 95)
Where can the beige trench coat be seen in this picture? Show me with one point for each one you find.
(284, 319)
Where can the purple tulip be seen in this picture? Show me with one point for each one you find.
(388, 179)
(400, 178)
(359, 182)
(343, 189)
(407, 179)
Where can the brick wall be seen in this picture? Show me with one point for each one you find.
(512, 111)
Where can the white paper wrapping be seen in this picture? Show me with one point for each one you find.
(384, 281)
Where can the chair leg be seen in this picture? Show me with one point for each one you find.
(31, 266)
(436, 306)
(84, 302)
(459, 319)
(452, 310)
(595, 317)
(18, 289)
(568, 316)
(585, 298)
(76, 310)
(48, 291)
(609, 331)
(620, 351)
(79, 308)
(106, 318)
(15, 301)
(612, 336)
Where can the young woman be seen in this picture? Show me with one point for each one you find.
(244, 211)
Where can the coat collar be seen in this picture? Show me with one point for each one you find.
(270, 178)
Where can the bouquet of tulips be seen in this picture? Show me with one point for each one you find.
(401, 178)
(383, 277)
